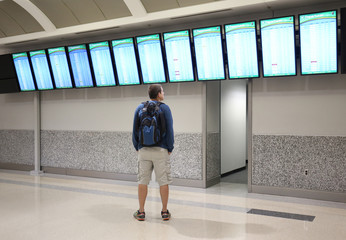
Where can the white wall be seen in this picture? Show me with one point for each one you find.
(306, 106)
(17, 111)
(112, 109)
(233, 125)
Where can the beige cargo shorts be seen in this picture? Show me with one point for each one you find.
(157, 159)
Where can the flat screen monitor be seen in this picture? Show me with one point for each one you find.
(102, 64)
(278, 47)
(125, 61)
(241, 44)
(150, 58)
(60, 67)
(318, 43)
(41, 70)
(80, 65)
(209, 53)
(178, 56)
(23, 71)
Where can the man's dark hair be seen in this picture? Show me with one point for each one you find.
(154, 90)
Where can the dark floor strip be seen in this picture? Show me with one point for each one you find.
(282, 215)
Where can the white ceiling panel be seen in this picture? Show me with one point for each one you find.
(8, 25)
(58, 12)
(85, 11)
(52, 20)
(159, 5)
(14, 20)
(113, 8)
(185, 3)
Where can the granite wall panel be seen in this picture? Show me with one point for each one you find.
(114, 152)
(281, 161)
(17, 147)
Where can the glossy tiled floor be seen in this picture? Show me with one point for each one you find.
(56, 207)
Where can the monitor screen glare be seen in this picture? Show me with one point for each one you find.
(151, 61)
(23, 70)
(125, 61)
(278, 46)
(241, 46)
(60, 68)
(80, 66)
(318, 43)
(178, 55)
(209, 54)
(102, 64)
(41, 70)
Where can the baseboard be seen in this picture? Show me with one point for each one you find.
(90, 173)
(188, 182)
(213, 181)
(19, 167)
(233, 171)
(300, 193)
(117, 176)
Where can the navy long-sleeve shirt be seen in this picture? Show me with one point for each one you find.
(167, 140)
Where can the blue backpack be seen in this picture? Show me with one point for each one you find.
(152, 125)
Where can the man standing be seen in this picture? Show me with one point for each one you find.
(153, 156)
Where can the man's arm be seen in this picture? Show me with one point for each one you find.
(135, 135)
(169, 129)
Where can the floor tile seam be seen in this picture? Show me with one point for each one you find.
(124, 195)
(213, 206)
(88, 190)
(302, 202)
(78, 189)
(172, 188)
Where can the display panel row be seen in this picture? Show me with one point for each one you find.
(183, 56)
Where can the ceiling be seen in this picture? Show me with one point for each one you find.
(25, 21)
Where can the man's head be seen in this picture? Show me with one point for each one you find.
(155, 92)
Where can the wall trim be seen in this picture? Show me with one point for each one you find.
(213, 181)
(90, 173)
(117, 176)
(19, 167)
(188, 183)
(300, 193)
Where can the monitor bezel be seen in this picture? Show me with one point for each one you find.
(90, 65)
(31, 70)
(294, 41)
(69, 68)
(163, 59)
(49, 67)
(191, 54)
(137, 61)
(112, 62)
(226, 50)
(300, 47)
(222, 49)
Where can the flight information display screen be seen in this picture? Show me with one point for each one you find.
(150, 58)
(278, 46)
(125, 61)
(209, 53)
(241, 43)
(318, 43)
(41, 70)
(60, 68)
(23, 70)
(102, 64)
(178, 55)
(80, 66)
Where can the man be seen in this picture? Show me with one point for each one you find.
(154, 157)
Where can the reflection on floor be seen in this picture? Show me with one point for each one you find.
(61, 207)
